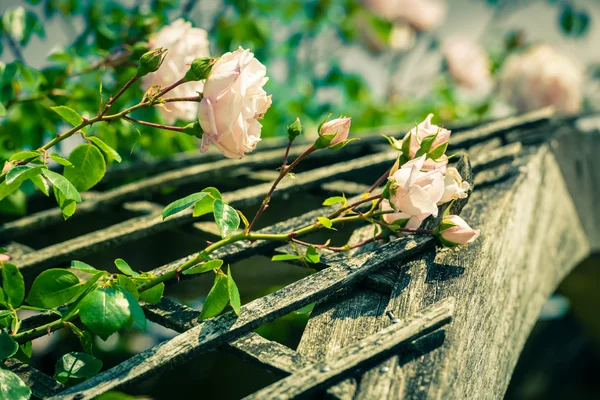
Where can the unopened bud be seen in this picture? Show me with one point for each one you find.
(200, 69)
(151, 61)
(294, 129)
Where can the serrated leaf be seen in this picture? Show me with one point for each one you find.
(63, 185)
(205, 205)
(285, 257)
(124, 267)
(68, 115)
(21, 172)
(335, 200)
(13, 284)
(108, 151)
(81, 266)
(234, 293)
(88, 168)
(153, 295)
(25, 155)
(226, 218)
(76, 365)
(205, 267)
(61, 160)
(104, 311)
(8, 346)
(53, 287)
(182, 204)
(12, 387)
(326, 222)
(312, 255)
(217, 298)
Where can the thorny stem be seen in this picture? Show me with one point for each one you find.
(41, 330)
(285, 169)
(191, 98)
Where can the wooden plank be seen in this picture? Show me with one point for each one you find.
(41, 385)
(214, 332)
(375, 347)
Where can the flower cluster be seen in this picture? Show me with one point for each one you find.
(423, 182)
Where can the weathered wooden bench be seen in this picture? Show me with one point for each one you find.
(403, 320)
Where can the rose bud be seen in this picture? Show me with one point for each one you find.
(151, 61)
(294, 129)
(200, 69)
(454, 231)
(340, 127)
(421, 132)
(454, 186)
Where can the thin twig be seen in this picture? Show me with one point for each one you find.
(159, 126)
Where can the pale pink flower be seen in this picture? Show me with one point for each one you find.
(184, 44)
(541, 77)
(468, 63)
(415, 192)
(413, 221)
(454, 187)
(234, 100)
(4, 258)
(458, 234)
(339, 126)
(421, 14)
(423, 130)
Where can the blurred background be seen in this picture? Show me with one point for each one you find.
(385, 63)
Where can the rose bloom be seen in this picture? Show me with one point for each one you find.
(421, 14)
(421, 131)
(541, 77)
(415, 192)
(234, 100)
(468, 63)
(413, 221)
(4, 258)
(339, 126)
(459, 234)
(454, 187)
(184, 44)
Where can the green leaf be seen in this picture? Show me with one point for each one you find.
(312, 255)
(234, 293)
(53, 287)
(326, 222)
(124, 267)
(88, 168)
(127, 284)
(217, 298)
(76, 365)
(137, 319)
(2, 108)
(67, 206)
(61, 160)
(335, 200)
(182, 204)
(8, 347)
(205, 205)
(153, 295)
(25, 155)
(41, 184)
(108, 151)
(13, 284)
(12, 387)
(84, 290)
(104, 311)
(285, 257)
(21, 173)
(205, 267)
(68, 115)
(63, 185)
(226, 218)
(83, 267)
(437, 152)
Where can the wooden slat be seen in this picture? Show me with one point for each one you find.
(41, 385)
(375, 347)
(226, 327)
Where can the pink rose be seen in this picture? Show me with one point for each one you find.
(184, 44)
(413, 221)
(454, 186)
(468, 63)
(4, 258)
(423, 130)
(339, 126)
(541, 77)
(234, 100)
(457, 231)
(414, 192)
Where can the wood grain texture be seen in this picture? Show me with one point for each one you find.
(41, 385)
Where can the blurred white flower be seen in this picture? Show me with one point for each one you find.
(421, 14)
(468, 63)
(184, 44)
(541, 77)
